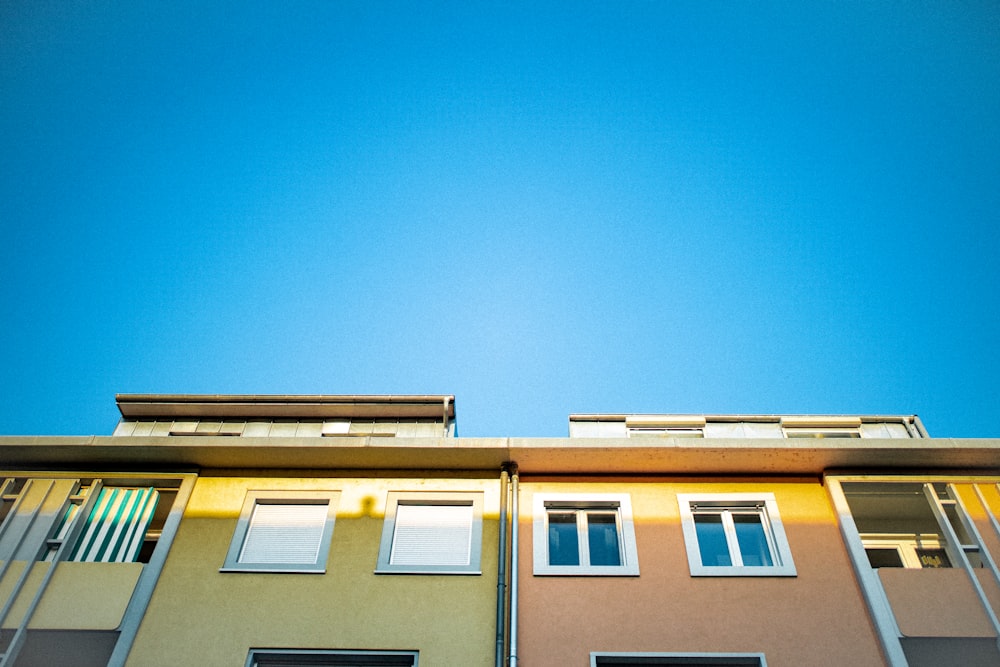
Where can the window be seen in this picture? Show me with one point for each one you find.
(584, 535)
(905, 524)
(673, 659)
(283, 531)
(916, 551)
(295, 657)
(431, 533)
(734, 534)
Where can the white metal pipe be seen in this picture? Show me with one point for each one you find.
(502, 571)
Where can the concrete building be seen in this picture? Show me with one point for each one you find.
(360, 530)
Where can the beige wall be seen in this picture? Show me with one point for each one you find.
(200, 616)
(80, 596)
(815, 618)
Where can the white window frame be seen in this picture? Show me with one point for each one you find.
(907, 547)
(474, 500)
(619, 503)
(629, 659)
(766, 505)
(262, 657)
(253, 498)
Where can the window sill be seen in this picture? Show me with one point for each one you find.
(445, 571)
(728, 571)
(274, 570)
(576, 571)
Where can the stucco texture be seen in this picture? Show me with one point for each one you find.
(201, 616)
(817, 617)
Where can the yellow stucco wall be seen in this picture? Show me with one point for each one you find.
(80, 596)
(817, 617)
(198, 615)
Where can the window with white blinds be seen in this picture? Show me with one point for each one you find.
(432, 533)
(283, 532)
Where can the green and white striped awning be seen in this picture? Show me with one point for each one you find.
(116, 526)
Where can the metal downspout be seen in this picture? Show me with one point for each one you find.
(513, 567)
(502, 570)
(447, 399)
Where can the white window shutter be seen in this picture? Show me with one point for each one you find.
(284, 533)
(432, 535)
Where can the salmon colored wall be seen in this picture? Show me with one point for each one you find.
(199, 616)
(935, 602)
(816, 618)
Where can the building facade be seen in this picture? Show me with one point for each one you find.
(361, 530)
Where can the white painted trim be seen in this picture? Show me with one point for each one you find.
(234, 563)
(620, 503)
(781, 552)
(472, 499)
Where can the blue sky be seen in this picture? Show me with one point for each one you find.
(542, 208)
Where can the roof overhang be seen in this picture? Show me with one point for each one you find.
(543, 456)
(289, 406)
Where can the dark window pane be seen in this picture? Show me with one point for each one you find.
(933, 558)
(602, 533)
(564, 545)
(752, 540)
(712, 540)
(884, 557)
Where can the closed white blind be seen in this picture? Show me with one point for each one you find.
(432, 535)
(289, 533)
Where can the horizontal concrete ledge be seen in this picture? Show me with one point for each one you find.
(533, 455)
(136, 406)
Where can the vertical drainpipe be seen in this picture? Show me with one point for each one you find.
(502, 570)
(513, 566)
(445, 420)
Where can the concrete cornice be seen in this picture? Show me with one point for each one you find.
(137, 406)
(544, 456)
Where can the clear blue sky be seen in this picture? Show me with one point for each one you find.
(543, 208)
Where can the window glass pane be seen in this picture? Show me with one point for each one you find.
(712, 540)
(884, 557)
(933, 558)
(752, 540)
(564, 546)
(602, 535)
